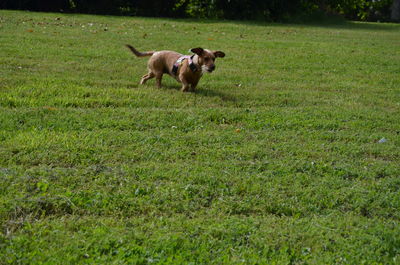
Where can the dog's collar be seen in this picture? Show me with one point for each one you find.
(178, 62)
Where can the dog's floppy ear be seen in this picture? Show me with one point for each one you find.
(199, 51)
(219, 54)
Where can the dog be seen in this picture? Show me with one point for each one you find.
(185, 69)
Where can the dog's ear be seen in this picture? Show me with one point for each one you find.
(219, 54)
(199, 51)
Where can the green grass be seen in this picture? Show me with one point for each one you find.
(274, 160)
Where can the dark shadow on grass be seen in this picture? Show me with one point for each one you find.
(325, 22)
(215, 93)
(170, 87)
(199, 91)
(356, 26)
(334, 22)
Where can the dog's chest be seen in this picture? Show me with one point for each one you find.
(189, 73)
(192, 77)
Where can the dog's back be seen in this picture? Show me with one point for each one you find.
(163, 60)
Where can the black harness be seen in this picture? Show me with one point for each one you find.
(178, 62)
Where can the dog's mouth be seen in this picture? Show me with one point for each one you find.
(206, 69)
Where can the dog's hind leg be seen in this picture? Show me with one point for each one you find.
(146, 77)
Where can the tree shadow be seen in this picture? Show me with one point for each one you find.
(335, 22)
(325, 22)
(354, 25)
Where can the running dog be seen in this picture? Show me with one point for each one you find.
(186, 69)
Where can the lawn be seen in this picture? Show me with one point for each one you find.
(289, 153)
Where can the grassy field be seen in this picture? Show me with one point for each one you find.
(276, 159)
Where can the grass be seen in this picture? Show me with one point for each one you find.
(274, 160)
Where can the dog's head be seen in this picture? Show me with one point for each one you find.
(206, 58)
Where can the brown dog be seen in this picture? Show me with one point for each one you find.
(186, 69)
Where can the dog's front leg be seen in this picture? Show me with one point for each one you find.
(185, 87)
(194, 85)
(185, 84)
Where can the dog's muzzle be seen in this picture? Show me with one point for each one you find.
(210, 69)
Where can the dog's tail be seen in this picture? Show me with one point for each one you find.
(137, 53)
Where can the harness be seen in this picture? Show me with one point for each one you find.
(178, 62)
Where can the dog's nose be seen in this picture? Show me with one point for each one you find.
(212, 68)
